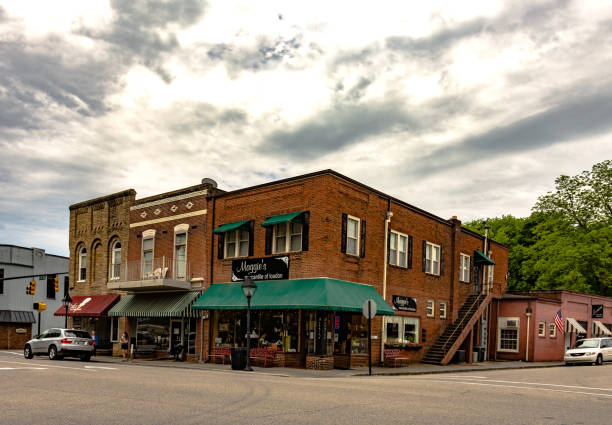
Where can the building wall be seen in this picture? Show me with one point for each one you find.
(11, 339)
(546, 348)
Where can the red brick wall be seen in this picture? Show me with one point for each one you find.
(10, 340)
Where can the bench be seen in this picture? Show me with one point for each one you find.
(145, 349)
(219, 352)
(394, 355)
(267, 354)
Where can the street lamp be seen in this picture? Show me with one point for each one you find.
(248, 288)
(67, 301)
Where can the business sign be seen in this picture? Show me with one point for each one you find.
(597, 312)
(268, 268)
(404, 303)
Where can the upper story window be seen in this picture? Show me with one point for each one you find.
(1, 281)
(464, 268)
(432, 257)
(431, 304)
(82, 264)
(353, 235)
(237, 243)
(180, 255)
(490, 274)
(287, 232)
(148, 247)
(443, 309)
(115, 265)
(287, 237)
(399, 249)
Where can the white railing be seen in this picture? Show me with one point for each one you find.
(157, 268)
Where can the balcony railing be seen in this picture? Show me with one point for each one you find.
(155, 269)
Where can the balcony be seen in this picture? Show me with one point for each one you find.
(153, 275)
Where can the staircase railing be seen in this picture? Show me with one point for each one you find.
(459, 326)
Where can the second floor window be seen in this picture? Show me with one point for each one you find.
(490, 274)
(398, 249)
(180, 251)
(82, 264)
(432, 258)
(352, 235)
(464, 268)
(115, 266)
(237, 243)
(147, 255)
(287, 237)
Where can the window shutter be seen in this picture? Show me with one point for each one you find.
(251, 238)
(441, 260)
(362, 242)
(269, 230)
(305, 230)
(424, 255)
(409, 252)
(220, 246)
(343, 234)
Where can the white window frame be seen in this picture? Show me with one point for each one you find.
(82, 259)
(237, 240)
(464, 267)
(431, 308)
(542, 329)
(443, 309)
(180, 229)
(552, 330)
(357, 237)
(401, 331)
(432, 261)
(113, 262)
(148, 235)
(499, 332)
(398, 237)
(288, 235)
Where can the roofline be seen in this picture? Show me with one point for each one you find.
(176, 192)
(32, 248)
(122, 194)
(478, 235)
(560, 291)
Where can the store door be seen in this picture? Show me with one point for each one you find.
(176, 334)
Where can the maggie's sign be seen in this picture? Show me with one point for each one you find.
(268, 268)
(404, 303)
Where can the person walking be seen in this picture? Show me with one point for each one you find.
(125, 345)
(95, 342)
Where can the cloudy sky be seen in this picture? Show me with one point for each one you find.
(465, 108)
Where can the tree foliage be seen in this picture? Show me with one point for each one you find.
(566, 242)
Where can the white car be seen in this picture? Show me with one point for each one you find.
(590, 350)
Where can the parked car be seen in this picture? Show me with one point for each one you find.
(590, 350)
(59, 343)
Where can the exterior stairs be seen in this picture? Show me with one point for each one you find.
(443, 350)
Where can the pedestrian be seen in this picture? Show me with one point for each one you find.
(95, 342)
(125, 345)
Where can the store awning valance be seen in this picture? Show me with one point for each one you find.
(281, 218)
(481, 259)
(169, 304)
(573, 325)
(299, 294)
(92, 305)
(230, 226)
(600, 329)
(12, 316)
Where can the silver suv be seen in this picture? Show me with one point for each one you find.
(60, 343)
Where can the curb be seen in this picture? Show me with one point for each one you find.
(436, 372)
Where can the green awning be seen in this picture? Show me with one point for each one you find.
(281, 218)
(230, 226)
(295, 294)
(480, 259)
(170, 304)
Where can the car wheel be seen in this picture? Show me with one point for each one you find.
(85, 357)
(27, 352)
(53, 353)
(598, 361)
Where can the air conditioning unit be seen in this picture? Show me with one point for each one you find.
(512, 323)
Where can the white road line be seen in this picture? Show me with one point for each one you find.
(46, 365)
(12, 352)
(20, 368)
(536, 383)
(100, 367)
(514, 386)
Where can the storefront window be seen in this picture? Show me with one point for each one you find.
(402, 330)
(153, 331)
(359, 334)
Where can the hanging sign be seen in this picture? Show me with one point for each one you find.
(404, 303)
(597, 312)
(267, 268)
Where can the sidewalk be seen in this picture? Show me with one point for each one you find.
(413, 369)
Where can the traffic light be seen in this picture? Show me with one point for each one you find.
(56, 283)
(33, 287)
(40, 307)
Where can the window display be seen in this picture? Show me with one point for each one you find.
(402, 330)
(153, 331)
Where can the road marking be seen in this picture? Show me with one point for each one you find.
(19, 368)
(45, 365)
(12, 352)
(100, 367)
(513, 386)
(536, 383)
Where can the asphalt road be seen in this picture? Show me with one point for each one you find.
(74, 392)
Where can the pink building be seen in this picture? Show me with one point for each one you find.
(525, 326)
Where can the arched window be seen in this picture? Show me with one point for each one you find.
(115, 265)
(82, 264)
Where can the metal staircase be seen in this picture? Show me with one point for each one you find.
(443, 350)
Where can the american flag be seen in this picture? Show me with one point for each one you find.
(559, 322)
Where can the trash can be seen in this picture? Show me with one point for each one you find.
(459, 356)
(239, 359)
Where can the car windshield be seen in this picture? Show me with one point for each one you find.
(587, 343)
(77, 334)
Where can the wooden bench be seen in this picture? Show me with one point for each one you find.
(220, 352)
(393, 355)
(267, 354)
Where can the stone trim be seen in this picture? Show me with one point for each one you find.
(171, 199)
(174, 217)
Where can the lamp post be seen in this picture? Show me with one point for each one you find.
(248, 288)
(67, 300)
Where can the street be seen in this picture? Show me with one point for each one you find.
(74, 392)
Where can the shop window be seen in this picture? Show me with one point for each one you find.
(430, 308)
(114, 331)
(464, 268)
(115, 265)
(508, 334)
(153, 331)
(287, 237)
(542, 329)
(443, 309)
(398, 249)
(402, 330)
(432, 258)
(236, 243)
(82, 264)
(552, 330)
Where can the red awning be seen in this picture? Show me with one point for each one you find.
(92, 305)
